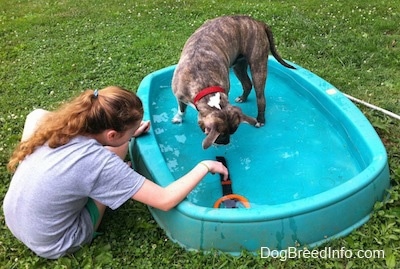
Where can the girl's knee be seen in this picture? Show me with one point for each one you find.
(32, 121)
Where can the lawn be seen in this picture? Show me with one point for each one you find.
(52, 50)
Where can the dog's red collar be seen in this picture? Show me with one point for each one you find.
(207, 91)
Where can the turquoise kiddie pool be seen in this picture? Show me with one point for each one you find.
(312, 173)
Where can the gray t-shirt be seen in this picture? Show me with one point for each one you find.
(45, 203)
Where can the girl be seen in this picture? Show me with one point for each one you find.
(69, 167)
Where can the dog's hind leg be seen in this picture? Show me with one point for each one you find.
(240, 70)
(259, 75)
(179, 114)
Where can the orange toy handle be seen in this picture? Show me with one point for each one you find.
(236, 197)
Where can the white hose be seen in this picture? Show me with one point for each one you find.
(387, 112)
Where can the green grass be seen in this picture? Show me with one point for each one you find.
(51, 50)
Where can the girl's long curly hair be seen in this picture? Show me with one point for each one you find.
(92, 112)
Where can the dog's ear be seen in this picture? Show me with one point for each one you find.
(210, 138)
(238, 116)
(235, 117)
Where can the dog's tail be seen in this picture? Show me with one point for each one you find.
(273, 48)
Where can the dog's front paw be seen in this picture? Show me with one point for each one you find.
(261, 118)
(259, 124)
(177, 118)
(240, 99)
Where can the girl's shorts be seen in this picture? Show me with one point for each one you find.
(93, 211)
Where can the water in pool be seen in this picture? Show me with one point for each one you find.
(298, 152)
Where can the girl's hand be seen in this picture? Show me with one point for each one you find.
(143, 128)
(216, 167)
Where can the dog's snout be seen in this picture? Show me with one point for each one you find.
(222, 139)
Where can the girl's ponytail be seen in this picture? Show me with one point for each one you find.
(92, 112)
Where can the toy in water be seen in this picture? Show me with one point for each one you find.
(229, 199)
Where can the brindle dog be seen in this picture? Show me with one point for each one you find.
(201, 78)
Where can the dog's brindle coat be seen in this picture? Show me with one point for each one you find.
(237, 41)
